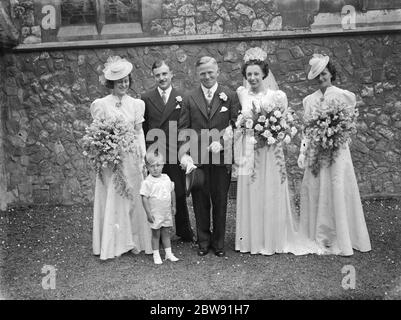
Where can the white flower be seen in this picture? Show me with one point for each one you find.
(249, 124)
(178, 98)
(271, 140)
(281, 135)
(223, 96)
(293, 131)
(278, 128)
(290, 118)
(215, 147)
(287, 139)
(262, 119)
(267, 134)
(258, 127)
(273, 119)
(277, 113)
(85, 153)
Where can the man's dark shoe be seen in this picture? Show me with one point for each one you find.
(220, 253)
(187, 239)
(203, 251)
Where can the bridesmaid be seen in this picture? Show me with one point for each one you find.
(331, 209)
(119, 222)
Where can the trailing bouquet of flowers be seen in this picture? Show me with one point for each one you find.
(268, 123)
(327, 130)
(106, 142)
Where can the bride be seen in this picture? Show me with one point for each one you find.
(265, 223)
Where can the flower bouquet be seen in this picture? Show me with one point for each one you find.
(105, 143)
(269, 123)
(327, 130)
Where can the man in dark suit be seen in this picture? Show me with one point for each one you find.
(162, 110)
(209, 107)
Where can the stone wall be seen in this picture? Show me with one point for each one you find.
(216, 16)
(48, 95)
(3, 178)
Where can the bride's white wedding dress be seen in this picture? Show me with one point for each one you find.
(265, 223)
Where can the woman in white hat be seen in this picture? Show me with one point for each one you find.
(331, 209)
(119, 223)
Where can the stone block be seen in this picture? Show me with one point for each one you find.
(284, 55)
(186, 10)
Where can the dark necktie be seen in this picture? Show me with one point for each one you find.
(164, 96)
(209, 98)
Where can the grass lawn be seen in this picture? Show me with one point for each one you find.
(61, 237)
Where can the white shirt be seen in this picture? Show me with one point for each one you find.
(212, 89)
(168, 91)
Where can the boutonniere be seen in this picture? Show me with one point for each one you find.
(178, 100)
(223, 109)
(223, 96)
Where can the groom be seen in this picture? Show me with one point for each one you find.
(162, 110)
(207, 107)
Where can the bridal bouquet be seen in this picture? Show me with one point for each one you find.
(269, 121)
(329, 128)
(105, 143)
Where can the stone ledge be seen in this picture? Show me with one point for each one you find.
(187, 39)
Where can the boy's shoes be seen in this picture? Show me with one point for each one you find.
(157, 259)
(172, 258)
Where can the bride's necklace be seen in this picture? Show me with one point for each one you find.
(119, 102)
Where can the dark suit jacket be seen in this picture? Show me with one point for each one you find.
(160, 116)
(194, 115)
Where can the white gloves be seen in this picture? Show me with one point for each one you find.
(187, 163)
(301, 161)
(302, 152)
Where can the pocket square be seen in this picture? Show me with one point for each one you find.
(178, 106)
(223, 109)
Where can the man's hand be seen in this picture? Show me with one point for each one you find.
(173, 211)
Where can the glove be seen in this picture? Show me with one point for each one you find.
(187, 163)
(301, 161)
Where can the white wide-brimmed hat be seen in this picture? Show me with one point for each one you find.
(317, 63)
(117, 68)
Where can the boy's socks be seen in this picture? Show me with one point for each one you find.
(156, 257)
(169, 255)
